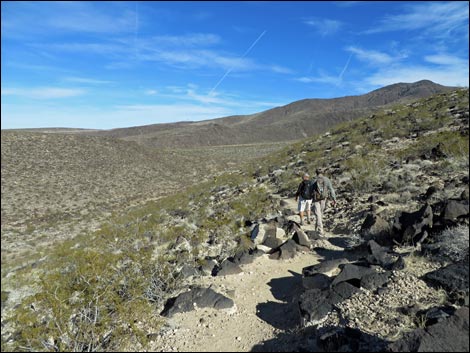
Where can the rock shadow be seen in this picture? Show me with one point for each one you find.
(282, 315)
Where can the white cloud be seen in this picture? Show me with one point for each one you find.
(322, 78)
(151, 92)
(43, 92)
(374, 56)
(86, 80)
(190, 39)
(440, 18)
(445, 75)
(446, 59)
(324, 26)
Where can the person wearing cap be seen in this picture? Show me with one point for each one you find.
(304, 196)
(322, 191)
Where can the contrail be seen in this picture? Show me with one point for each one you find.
(340, 77)
(231, 69)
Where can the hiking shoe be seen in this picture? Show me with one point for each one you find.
(309, 222)
(301, 223)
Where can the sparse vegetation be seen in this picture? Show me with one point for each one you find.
(105, 286)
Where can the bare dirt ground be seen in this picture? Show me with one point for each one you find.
(265, 295)
(266, 299)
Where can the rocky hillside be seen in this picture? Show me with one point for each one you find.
(291, 122)
(57, 185)
(390, 274)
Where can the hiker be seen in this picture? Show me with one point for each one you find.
(304, 196)
(322, 189)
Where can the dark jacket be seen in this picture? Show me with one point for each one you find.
(304, 189)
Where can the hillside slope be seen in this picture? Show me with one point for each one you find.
(294, 121)
(106, 290)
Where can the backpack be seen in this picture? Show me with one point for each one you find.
(306, 190)
(320, 190)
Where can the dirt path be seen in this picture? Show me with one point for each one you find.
(265, 295)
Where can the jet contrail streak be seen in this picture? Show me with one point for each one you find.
(231, 69)
(340, 77)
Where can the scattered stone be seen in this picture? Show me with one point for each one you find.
(199, 297)
(379, 255)
(301, 238)
(455, 209)
(316, 281)
(329, 267)
(352, 273)
(448, 335)
(376, 228)
(228, 268)
(375, 280)
(408, 227)
(454, 279)
(285, 251)
(207, 267)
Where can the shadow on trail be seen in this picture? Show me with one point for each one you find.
(329, 339)
(284, 315)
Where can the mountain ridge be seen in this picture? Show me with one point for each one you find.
(290, 122)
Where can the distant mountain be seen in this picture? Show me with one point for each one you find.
(294, 121)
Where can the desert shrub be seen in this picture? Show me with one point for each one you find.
(453, 243)
(365, 172)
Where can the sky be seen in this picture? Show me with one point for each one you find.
(104, 65)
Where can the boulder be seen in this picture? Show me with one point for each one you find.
(346, 339)
(329, 267)
(345, 290)
(379, 255)
(376, 228)
(245, 257)
(448, 335)
(272, 242)
(454, 209)
(188, 271)
(353, 274)
(301, 238)
(408, 228)
(375, 280)
(315, 305)
(285, 251)
(197, 297)
(207, 268)
(465, 195)
(228, 268)
(453, 278)
(316, 281)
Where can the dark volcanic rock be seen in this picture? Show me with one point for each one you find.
(374, 227)
(453, 278)
(345, 290)
(325, 267)
(285, 251)
(315, 304)
(201, 297)
(339, 339)
(448, 335)
(455, 209)
(352, 274)
(409, 228)
(301, 238)
(272, 242)
(379, 255)
(316, 281)
(228, 268)
(208, 267)
(375, 280)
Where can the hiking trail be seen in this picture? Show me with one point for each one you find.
(265, 296)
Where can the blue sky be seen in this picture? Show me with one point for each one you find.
(117, 64)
